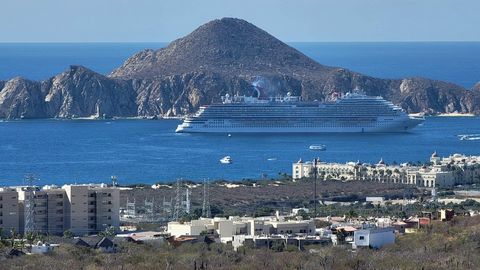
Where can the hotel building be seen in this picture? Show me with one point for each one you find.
(456, 169)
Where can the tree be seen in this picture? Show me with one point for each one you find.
(13, 235)
(108, 232)
(302, 213)
(67, 234)
(351, 213)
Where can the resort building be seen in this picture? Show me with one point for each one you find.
(438, 172)
(81, 209)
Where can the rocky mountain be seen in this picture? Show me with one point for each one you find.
(476, 87)
(222, 56)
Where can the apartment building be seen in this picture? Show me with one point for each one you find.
(9, 210)
(47, 215)
(92, 208)
(81, 209)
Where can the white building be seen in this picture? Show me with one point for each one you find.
(227, 228)
(456, 169)
(374, 237)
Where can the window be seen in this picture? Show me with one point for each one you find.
(361, 237)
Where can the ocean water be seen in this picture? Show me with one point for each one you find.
(61, 151)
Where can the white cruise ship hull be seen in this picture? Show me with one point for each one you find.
(391, 126)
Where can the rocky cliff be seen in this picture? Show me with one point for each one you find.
(222, 56)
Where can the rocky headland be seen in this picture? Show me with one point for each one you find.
(221, 56)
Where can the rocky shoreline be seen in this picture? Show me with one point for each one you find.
(222, 56)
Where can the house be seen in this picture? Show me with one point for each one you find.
(142, 237)
(178, 241)
(343, 234)
(43, 248)
(102, 244)
(15, 253)
(400, 226)
(446, 214)
(374, 237)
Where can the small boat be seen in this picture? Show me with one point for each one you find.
(226, 160)
(272, 159)
(229, 135)
(469, 137)
(317, 147)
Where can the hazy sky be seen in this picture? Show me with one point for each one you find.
(295, 20)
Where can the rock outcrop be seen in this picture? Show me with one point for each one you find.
(222, 56)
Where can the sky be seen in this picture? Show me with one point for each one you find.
(290, 21)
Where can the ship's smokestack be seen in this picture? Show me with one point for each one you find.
(263, 88)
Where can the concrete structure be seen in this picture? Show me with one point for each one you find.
(227, 228)
(456, 169)
(277, 241)
(82, 209)
(374, 237)
(9, 210)
(92, 208)
(48, 208)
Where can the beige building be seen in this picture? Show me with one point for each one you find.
(81, 209)
(91, 208)
(227, 228)
(9, 210)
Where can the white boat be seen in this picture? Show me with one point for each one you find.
(226, 160)
(317, 147)
(469, 137)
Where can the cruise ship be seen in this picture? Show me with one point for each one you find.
(352, 112)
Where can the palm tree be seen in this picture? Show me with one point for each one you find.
(389, 174)
(375, 172)
(381, 173)
(30, 237)
(13, 235)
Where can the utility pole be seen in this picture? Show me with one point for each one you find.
(315, 174)
(188, 192)
(30, 204)
(178, 203)
(206, 200)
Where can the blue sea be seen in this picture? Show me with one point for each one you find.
(61, 151)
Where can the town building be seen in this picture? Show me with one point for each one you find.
(225, 228)
(374, 237)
